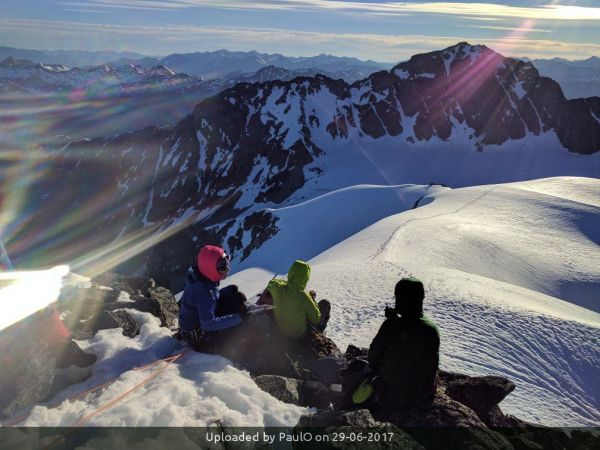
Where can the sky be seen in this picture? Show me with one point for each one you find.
(365, 29)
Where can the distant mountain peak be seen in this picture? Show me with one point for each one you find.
(160, 70)
(12, 62)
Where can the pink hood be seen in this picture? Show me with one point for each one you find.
(207, 262)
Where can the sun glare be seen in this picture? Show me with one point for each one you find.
(24, 293)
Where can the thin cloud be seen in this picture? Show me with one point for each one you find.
(366, 46)
(85, 10)
(501, 28)
(483, 10)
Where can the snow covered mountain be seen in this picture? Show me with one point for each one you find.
(65, 102)
(226, 64)
(23, 76)
(461, 116)
(69, 58)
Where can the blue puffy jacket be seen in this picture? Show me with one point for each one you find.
(198, 305)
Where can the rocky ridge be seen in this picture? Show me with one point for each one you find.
(465, 412)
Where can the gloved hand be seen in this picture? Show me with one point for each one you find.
(313, 294)
(265, 298)
(244, 311)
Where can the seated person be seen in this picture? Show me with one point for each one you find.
(405, 351)
(293, 306)
(198, 309)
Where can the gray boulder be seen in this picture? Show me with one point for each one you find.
(113, 319)
(285, 389)
(160, 303)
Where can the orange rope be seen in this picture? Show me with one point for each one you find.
(153, 363)
(104, 407)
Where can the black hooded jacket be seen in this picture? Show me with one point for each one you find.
(405, 353)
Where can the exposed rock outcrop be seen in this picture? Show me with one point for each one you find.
(464, 412)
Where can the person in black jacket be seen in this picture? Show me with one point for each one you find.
(405, 351)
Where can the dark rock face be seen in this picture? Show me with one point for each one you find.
(262, 226)
(162, 304)
(32, 373)
(542, 438)
(32, 386)
(131, 285)
(114, 319)
(356, 418)
(96, 306)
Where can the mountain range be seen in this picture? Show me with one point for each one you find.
(70, 58)
(19, 76)
(461, 116)
(45, 98)
(208, 65)
(464, 168)
(66, 101)
(576, 78)
(37, 78)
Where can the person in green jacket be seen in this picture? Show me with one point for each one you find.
(293, 306)
(405, 351)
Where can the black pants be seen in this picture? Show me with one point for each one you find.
(325, 309)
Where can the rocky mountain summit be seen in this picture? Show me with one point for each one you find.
(465, 410)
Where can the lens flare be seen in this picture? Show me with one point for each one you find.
(24, 293)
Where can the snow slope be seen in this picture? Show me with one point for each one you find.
(332, 217)
(197, 390)
(512, 279)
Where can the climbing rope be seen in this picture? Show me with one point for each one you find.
(169, 360)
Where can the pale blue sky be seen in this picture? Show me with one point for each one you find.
(366, 29)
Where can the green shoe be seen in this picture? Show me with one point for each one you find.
(363, 393)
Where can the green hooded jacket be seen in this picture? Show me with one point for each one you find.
(293, 305)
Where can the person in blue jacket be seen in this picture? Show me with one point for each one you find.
(201, 300)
